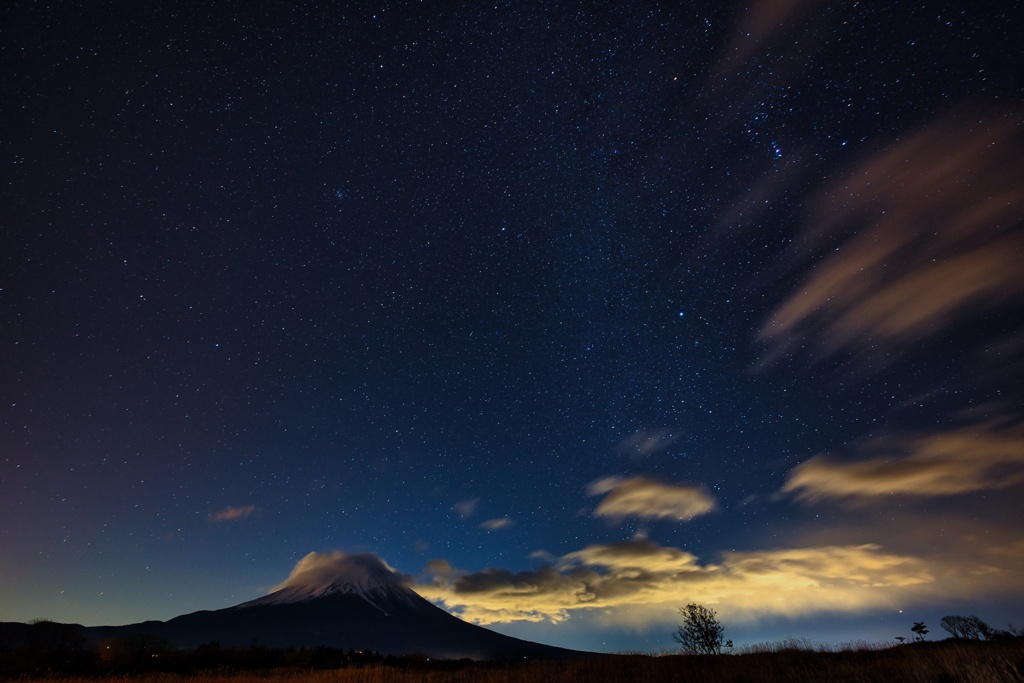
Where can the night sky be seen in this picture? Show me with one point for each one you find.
(572, 313)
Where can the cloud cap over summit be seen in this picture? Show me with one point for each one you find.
(320, 570)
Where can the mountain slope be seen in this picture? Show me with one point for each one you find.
(363, 606)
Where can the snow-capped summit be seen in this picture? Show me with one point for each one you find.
(319, 575)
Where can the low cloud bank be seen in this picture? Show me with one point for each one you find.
(640, 582)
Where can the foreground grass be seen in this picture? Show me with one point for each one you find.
(946, 661)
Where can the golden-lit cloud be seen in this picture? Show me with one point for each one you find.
(974, 458)
(229, 513)
(934, 237)
(495, 524)
(646, 498)
(639, 582)
(633, 554)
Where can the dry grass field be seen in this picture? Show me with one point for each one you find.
(925, 662)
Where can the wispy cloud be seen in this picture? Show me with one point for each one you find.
(650, 499)
(975, 458)
(466, 508)
(760, 23)
(647, 442)
(230, 513)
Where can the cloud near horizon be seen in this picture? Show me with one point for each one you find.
(230, 513)
(641, 580)
(640, 583)
(975, 458)
(646, 498)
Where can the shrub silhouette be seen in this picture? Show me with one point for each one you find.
(700, 633)
(967, 628)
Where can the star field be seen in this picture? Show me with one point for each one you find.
(581, 302)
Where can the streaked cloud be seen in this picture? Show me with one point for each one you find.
(770, 44)
(499, 523)
(933, 238)
(230, 513)
(760, 23)
(650, 499)
(975, 458)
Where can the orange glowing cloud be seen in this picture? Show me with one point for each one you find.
(229, 513)
(936, 238)
(947, 463)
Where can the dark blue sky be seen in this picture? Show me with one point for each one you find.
(573, 313)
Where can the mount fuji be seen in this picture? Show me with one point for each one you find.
(344, 601)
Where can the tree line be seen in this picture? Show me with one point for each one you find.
(47, 648)
(702, 634)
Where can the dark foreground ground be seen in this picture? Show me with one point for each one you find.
(932, 662)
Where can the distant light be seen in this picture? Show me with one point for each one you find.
(681, 314)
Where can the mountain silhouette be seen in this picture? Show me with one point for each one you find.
(352, 602)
